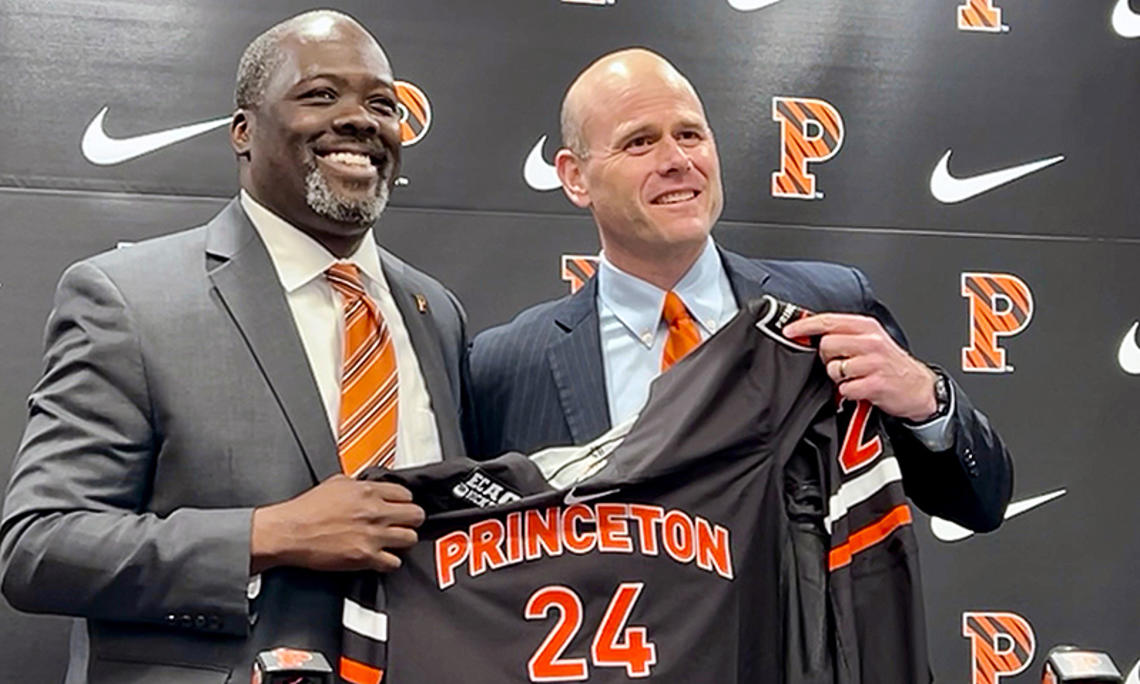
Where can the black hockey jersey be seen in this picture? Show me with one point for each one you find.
(745, 528)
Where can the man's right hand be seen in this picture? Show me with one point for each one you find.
(341, 524)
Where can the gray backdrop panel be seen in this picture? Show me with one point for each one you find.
(908, 85)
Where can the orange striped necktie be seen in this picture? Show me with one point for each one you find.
(369, 388)
(683, 333)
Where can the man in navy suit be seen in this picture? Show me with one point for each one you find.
(639, 154)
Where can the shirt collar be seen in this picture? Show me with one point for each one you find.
(298, 258)
(638, 304)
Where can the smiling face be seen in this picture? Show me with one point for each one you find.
(650, 174)
(322, 148)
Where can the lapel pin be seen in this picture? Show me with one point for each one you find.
(421, 303)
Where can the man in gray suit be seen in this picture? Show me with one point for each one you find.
(178, 484)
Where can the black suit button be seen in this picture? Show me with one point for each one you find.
(215, 622)
(187, 621)
(200, 621)
(172, 620)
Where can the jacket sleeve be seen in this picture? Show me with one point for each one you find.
(971, 482)
(76, 536)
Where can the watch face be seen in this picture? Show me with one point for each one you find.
(941, 393)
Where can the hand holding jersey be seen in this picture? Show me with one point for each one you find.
(867, 363)
(339, 525)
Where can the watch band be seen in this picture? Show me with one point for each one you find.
(941, 398)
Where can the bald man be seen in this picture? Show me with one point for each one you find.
(639, 154)
(197, 390)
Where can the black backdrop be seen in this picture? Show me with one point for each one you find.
(909, 84)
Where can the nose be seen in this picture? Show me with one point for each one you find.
(356, 119)
(672, 157)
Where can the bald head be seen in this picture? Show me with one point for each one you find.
(608, 77)
(262, 56)
(639, 154)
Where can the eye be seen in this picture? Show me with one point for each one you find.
(639, 144)
(384, 105)
(325, 94)
(690, 136)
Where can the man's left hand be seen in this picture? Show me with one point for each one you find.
(866, 363)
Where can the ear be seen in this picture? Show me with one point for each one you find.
(570, 172)
(240, 133)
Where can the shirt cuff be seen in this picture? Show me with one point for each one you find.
(935, 434)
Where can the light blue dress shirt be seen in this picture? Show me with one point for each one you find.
(633, 333)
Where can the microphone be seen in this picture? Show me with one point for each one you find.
(1066, 664)
(291, 666)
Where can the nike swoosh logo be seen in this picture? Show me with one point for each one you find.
(1125, 22)
(948, 189)
(1129, 353)
(537, 173)
(572, 498)
(944, 530)
(100, 148)
(750, 5)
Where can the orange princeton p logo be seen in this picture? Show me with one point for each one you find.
(1001, 645)
(577, 269)
(811, 130)
(1001, 305)
(980, 15)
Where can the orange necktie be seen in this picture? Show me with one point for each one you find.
(369, 389)
(683, 333)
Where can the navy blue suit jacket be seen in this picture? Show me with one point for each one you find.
(538, 381)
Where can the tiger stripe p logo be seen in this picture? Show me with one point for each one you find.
(1001, 305)
(577, 269)
(980, 15)
(1001, 645)
(811, 130)
(415, 112)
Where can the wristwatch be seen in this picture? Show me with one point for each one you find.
(941, 398)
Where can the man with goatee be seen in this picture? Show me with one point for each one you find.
(184, 481)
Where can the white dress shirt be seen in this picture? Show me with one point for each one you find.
(633, 333)
(301, 262)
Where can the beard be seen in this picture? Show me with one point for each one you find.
(325, 201)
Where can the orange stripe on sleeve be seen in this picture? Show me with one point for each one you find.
(869, 536)
(359, 673)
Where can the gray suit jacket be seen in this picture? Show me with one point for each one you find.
(176, 398)
(538, 381)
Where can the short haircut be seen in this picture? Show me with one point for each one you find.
(263, 55)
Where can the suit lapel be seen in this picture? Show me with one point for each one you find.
(247, 284)
(575, 359)
(426, 343)
(746, 276)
